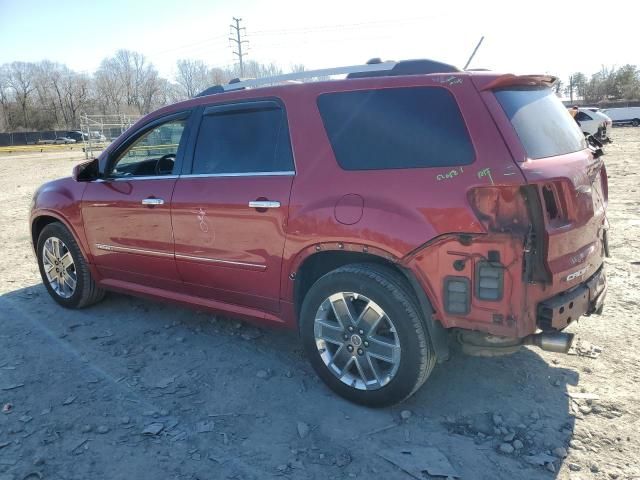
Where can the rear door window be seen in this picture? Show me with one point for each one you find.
(243, 139)
(393, 128)
(542, 122)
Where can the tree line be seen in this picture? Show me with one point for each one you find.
(607, 85)
(48, 95)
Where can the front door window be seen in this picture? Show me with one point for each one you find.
(152, 154)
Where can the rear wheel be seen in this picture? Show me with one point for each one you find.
(64, 271)
(364, 336)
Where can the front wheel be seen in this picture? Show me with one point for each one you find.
(636, 122)
(64, 270)
(364, 335)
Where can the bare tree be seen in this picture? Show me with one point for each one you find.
(76, 88)
(192, 77)
(20, 79)
(6, 100)
(49, 95)
(219, 76)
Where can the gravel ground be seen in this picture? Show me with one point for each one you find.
(135, 389)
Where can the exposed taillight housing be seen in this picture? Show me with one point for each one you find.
(500, 208)
(457, 295)
(489, 281)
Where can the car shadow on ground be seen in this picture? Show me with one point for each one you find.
(491, 417)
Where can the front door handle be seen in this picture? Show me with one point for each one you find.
(264, 204)
(152, 201)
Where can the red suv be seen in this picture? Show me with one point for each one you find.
(381, 215)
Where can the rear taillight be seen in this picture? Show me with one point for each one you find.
(457, 295)
(500, 209)
(489, 280)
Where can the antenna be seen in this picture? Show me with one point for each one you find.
(474, 53)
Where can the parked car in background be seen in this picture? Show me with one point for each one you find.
(594, 123)
(63, 141)
(96, 136)
(382, 216)
(77, 135)
(624, 115)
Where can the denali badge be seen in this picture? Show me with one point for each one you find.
(576, 274)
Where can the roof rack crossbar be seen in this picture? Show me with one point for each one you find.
(325, 72)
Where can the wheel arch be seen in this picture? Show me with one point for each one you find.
(321, 262)
(40, 220)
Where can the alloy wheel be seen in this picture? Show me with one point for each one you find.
(357, 341)
(59, 267)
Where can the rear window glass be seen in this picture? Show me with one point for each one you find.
(395, 128)
(542, 123)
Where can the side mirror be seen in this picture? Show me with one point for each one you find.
(86, 171)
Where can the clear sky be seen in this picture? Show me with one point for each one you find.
(544, 36)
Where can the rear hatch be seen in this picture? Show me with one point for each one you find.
(567, 186)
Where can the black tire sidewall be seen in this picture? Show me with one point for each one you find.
(61, 232)
(398, 306)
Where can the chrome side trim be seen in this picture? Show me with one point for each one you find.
(156, 253)
(256, 266)
(247, 174)
(141, 251)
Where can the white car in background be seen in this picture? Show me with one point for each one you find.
(594, 123)
(624, 115)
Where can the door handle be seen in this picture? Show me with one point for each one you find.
(152, 201)
(264, 204)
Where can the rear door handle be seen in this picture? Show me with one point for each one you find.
(152, 201)
(264, 204)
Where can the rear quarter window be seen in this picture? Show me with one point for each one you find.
(395, 128)
(542, 122)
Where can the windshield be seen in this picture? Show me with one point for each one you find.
(542, 123)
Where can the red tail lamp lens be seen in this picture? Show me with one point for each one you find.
(500, 209)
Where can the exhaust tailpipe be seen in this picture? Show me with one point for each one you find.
(559, 342)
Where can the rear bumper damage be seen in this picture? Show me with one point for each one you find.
(553, 315)
(557, 312)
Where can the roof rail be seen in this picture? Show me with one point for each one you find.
(408, 67)
(325, 72)
(373, 68)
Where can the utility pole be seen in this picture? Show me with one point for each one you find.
(238, 41)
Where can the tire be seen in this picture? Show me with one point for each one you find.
(401, 325)
(636, 122)
(85, 292)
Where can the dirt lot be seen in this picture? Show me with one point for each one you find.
(221, 399)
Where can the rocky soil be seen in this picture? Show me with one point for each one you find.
(135, 389)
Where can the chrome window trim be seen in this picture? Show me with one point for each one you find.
(289, 173)
(141, 177)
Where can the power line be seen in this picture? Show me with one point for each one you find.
(238, 41)
(344, 26)
(200, 43)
